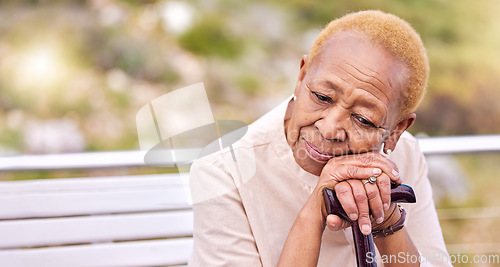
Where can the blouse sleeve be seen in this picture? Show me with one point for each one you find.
(222, 233)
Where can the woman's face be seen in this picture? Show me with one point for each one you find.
(348, 101)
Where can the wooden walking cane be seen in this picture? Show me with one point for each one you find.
(364, 243)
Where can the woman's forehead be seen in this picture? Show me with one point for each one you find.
(353, 61)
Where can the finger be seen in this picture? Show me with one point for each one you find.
(361, 199)
(335, 223)
(386, 165)
(375, 160)
(384, 187)
(375, 201)
(389, 168)
(344, 194)
(346, 172)
(388, 213)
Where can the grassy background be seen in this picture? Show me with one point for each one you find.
(478, 235)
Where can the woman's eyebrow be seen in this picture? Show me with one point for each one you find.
(327, 83)
(372, 105)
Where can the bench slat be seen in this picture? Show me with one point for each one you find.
(124, 209)
(91, 229)
(138, 253)
(112, 183)
(71, 204)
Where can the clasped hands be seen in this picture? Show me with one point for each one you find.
(369, 203)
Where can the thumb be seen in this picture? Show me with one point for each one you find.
(335, 223)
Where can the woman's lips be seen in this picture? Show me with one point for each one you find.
(316, 154)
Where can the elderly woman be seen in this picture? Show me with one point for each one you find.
(261, 204)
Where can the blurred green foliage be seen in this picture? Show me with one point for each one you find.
(209, 37)
(109, 58)
(466, 234)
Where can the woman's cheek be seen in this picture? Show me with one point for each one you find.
(293, 131)
(362, 144)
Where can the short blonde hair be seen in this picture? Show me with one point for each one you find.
(397, 36)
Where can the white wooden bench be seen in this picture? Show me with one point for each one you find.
(142, 220)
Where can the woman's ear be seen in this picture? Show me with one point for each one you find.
(302, 73)
(403, 124)
(303, 61)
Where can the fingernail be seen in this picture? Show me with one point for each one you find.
(353, 216)
(395, 173)
(377, 171)
(379, 220)
(365, 229)
(386, 206)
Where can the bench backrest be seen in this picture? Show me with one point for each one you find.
(142, 220)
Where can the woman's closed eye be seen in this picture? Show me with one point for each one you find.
(323, 98)
(364, 121)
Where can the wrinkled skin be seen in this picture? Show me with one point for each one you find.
(347, 108)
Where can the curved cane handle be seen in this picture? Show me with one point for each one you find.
(400, 193)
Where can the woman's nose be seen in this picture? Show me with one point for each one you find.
(332, 125)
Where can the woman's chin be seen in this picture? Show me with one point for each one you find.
(308, 164)
(313, 170)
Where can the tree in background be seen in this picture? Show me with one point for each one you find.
(91, 65)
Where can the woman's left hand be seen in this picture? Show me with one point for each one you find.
(348, 176)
